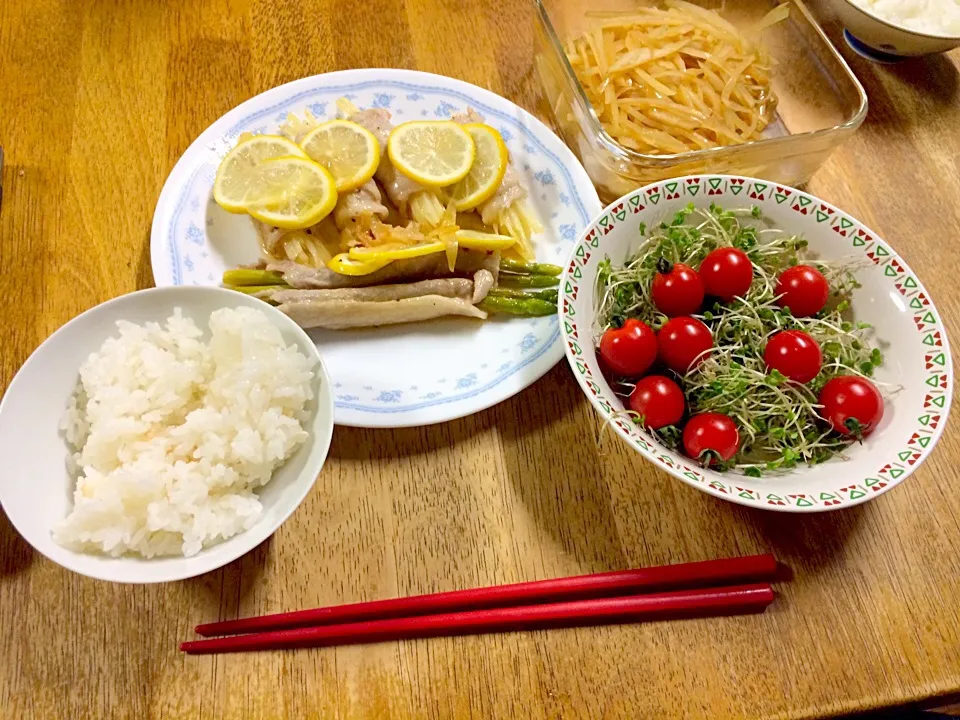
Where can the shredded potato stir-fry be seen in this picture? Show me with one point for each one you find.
(677, 78)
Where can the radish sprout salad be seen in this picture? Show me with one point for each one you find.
(728, 343)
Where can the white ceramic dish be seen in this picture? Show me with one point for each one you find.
(883, 41)
(908, 329)
(35, 486)
(405, 375)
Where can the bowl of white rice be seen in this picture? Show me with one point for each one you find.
(888, 30)
(163, 434)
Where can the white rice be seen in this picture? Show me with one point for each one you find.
(173, 434)
(932, 17)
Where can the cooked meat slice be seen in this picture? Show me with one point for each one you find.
(273, 239)
(304, 276)
(470, 116)
(365, 201)
(426, 267)
(377, 121)
(342, 314)
(492, 264)
(451, 287)
(509, 192)
(270, 236)
(482, 283)
(396, 185)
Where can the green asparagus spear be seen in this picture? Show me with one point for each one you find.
(551, 296)
(526, 281)
(509, 293)
(246, 276)
(525, 268)
(252, 289)
(531, 307)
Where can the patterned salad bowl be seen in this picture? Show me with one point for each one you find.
(916, 375)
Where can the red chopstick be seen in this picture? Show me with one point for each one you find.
(729, 571)
(632, 608)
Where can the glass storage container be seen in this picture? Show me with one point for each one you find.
(821, 102)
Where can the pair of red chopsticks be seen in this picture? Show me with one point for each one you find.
(714, 587)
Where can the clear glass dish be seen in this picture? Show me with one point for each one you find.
(821, 102)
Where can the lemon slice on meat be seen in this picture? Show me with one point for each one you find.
(343, 264)
(349, 151)
(487, 170)
(473, 240)
(296, 192)
(236, 185)
(374, 254)
(435, 153)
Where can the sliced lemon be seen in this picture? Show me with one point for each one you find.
(297, 192)
(487, 170)
(396, 253)
(435, 153)
(236, 185)
(474, 240)
(349, 151)
(344, 265)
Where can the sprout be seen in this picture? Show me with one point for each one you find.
(779, 421)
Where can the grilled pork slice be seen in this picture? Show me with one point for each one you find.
(509, 192)
(426, 267)
(470, 116)
(398, 187)
(451, 287)
(343, 314)
(352, 207)
(483, 282)
(355, 205)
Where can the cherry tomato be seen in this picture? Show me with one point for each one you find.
(795, 354)
(803, 289)
(658, 400)
(726, 273)
(629, 350)
(711, 437)
(853, 406)
(683, 343)
(677, 289)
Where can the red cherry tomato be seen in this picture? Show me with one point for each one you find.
(658, 400)
(683, 343)
(853, 406)
(710, 437)
(629, 350)
(795, 354)
(803, 289)
(677, 289)
(726, 273)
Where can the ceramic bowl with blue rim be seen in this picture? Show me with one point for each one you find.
(917, 371)
(404, 375)
(885, 41)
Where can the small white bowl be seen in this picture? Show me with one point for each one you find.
(36, 489)
(909, 331)
(883, 41)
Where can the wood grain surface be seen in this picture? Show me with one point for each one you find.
(98, 99)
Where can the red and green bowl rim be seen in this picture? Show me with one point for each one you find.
(906, 454)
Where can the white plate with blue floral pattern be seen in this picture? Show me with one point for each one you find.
(405, 375)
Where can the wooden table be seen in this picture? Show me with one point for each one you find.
(99, 98)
